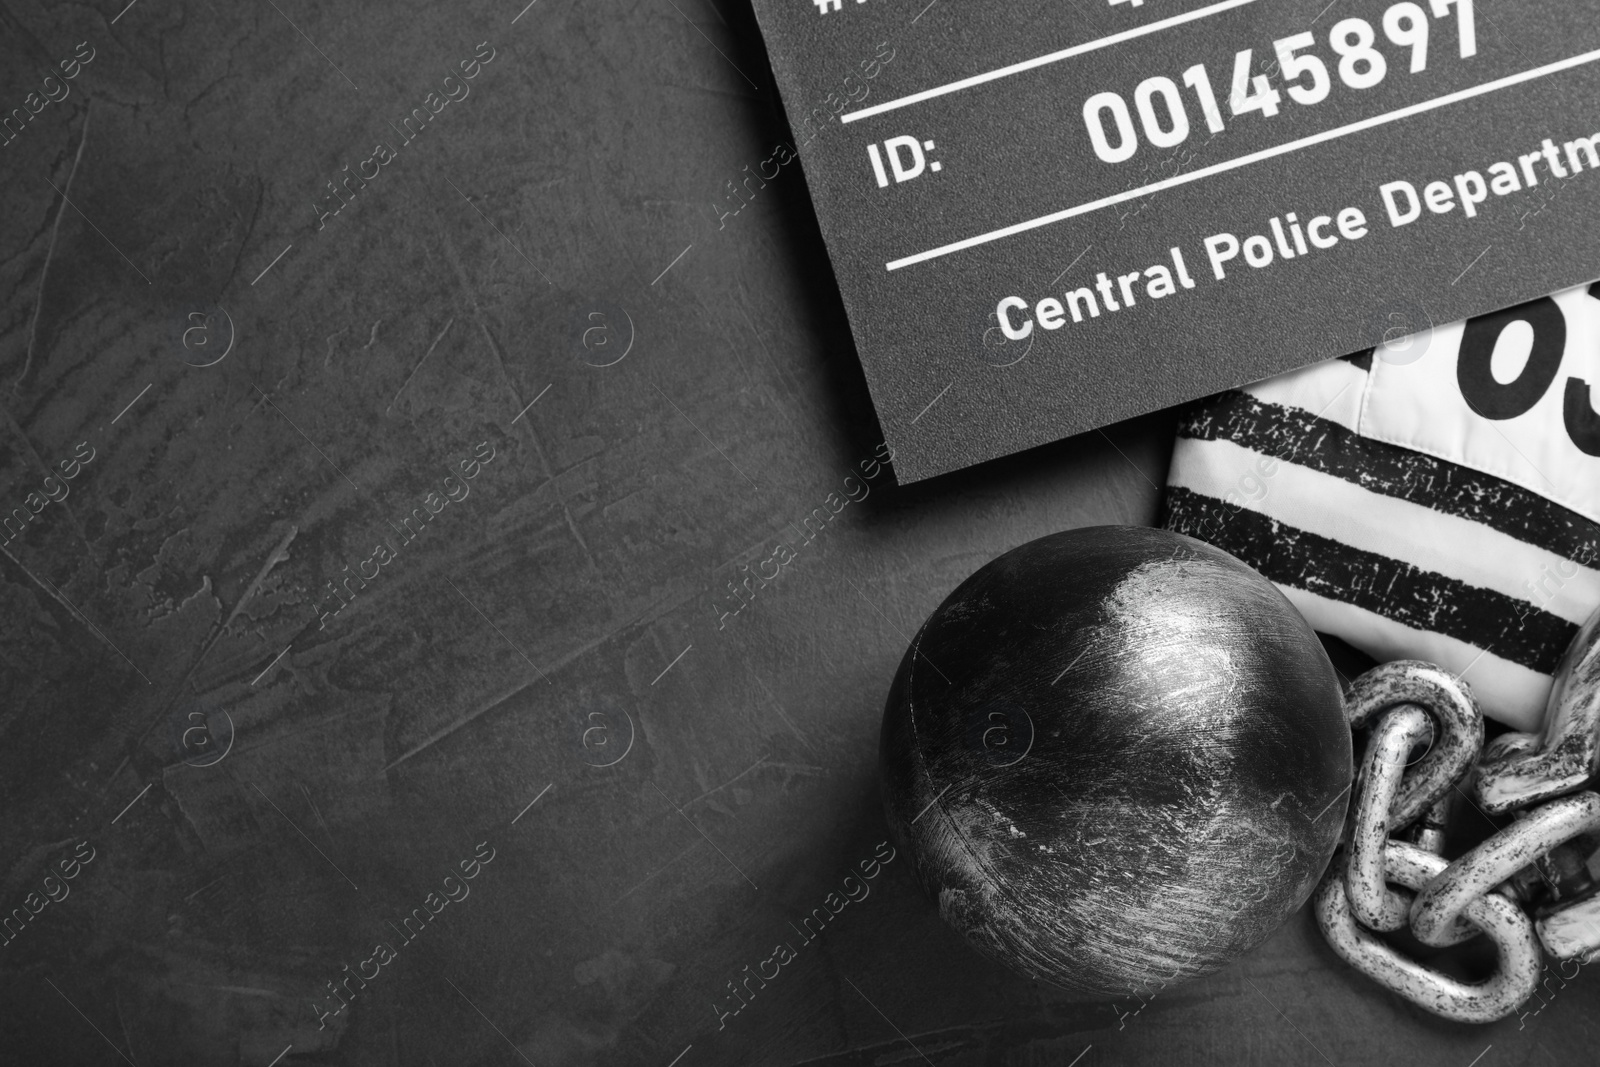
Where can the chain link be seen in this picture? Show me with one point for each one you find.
(1515, 978)
(1497, 859)
(1535, 767)
(1372, 902)
(1539, 860)
(1458, 727)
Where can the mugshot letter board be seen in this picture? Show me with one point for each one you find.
(1047, 216)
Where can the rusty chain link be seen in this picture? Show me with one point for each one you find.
(1540, 862)
(1529, 768)
(1372, 902)
(1455, 713)
(1515, 977)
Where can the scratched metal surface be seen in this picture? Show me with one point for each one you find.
(536, 757)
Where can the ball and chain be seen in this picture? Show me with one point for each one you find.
(1527, 887)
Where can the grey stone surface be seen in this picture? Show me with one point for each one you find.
(554, 636)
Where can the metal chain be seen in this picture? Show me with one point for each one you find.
(1514, 980)
(1497, 859)
(1372, 902)
(1449, 700)
(1527, 768)
(1539, 861)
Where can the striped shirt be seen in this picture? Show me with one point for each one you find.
(1437, 500)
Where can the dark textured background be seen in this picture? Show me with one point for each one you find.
(591, 554)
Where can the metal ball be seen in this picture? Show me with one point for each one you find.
(1117, 757)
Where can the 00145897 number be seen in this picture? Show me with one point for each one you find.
(1305, 76)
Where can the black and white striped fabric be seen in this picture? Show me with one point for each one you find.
(1439, 500)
